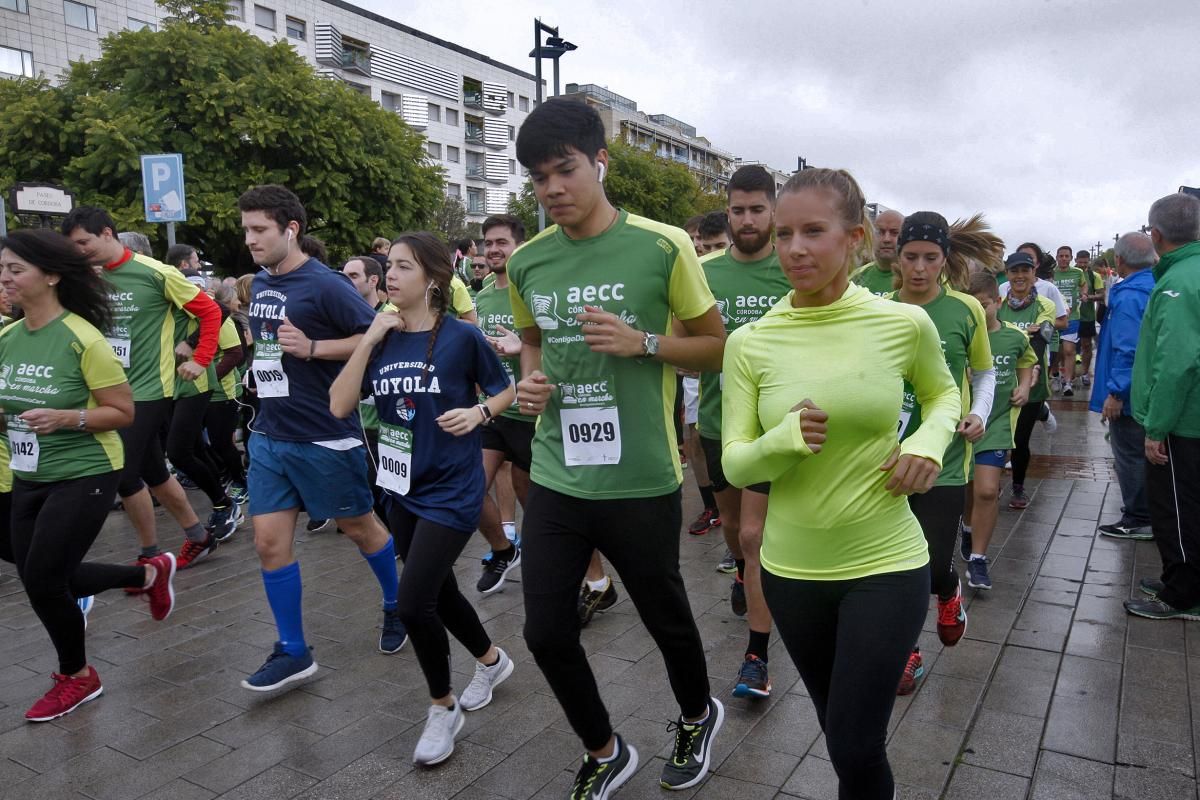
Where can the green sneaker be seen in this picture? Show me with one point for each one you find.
(1153, 608)
(693, 749)
(1150, 586)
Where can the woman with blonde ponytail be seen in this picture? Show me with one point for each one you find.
(935, 272)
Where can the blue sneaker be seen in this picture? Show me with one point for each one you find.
(753, 679)
(280, 669)
(85, 605)
(394, 635)
(977, 573)
(238, 493)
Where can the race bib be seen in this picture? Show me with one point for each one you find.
(23, 445)
(120, 346)
(906, 411)
(268, 371)
(591, 428)
(395, 459)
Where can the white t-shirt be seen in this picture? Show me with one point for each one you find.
(1045, 289)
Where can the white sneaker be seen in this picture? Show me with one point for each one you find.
(1056, 384)
(1050, 422)
(479, 691)
(437, 740)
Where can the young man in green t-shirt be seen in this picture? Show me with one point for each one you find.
(594, 296)
(1069, 281)
(1093, 292)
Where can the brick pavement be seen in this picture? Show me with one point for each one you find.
(1054, 692)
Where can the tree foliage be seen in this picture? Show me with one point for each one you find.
(242, 112)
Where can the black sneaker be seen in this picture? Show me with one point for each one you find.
(496, 569)
(394, 635)
(598, 780)
(591, 601)
(315, 525)
(1151, 586)
(1154, 608)
(1127, 530)
(737, 597)
(692, 752)
(964, 540)
(224, 521)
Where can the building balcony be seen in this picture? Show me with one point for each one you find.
(477, 173)
(473, 99)
(357, 61)
(473, 135)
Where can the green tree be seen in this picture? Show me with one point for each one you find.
(525, 208)
(242, 112)
(204, 14)
(450, 219)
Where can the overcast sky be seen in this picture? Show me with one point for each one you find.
(1062, 120)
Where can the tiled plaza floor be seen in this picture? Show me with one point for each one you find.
(1053, 693)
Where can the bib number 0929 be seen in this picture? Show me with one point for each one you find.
(587, 432)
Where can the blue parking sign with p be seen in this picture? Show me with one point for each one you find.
(162, 187)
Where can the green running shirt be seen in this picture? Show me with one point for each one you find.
(494, 308)
(1010, 351)
(1030, 319)
(58, 366)
(744, 291)
(962, 326)
(1070, 282)
(607, 431)
(875, 280)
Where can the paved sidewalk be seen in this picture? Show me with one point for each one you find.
(1054, 692)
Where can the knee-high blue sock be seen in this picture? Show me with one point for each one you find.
(383, 564)
(283, 593)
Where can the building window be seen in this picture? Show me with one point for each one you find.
(435, 150)
(140, 24)
(16, 62)
(435, 113)
(452, 117)
(512, 167)
(237, 10)
(524, 103)
(80, 16)
(474, 201)
(512, 100)
(264, 17)
(453, 190)
(21, 6)
(512, 133)
(512, 197)
(296, 28)
(389, 101)
(452, 153)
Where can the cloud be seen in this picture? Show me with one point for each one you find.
(1062, 120)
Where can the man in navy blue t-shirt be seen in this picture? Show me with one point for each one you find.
(306, 320)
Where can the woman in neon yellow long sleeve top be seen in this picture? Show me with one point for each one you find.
(812, 394)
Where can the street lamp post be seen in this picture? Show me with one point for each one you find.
(553, 49)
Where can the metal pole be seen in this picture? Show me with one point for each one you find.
(556, 90)
(3, 219)
(170, 234)
(537, 71)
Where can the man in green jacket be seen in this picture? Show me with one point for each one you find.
(1166, 401)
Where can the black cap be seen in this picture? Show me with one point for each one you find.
(1019, 259)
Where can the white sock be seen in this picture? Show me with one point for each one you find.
(966, 528)
(977, 556)
(598, 586)
(616, 752)
(510, 530)
(152, 578)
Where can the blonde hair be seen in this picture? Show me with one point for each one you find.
(851, 204)
(243, 289)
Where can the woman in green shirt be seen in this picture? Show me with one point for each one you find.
(64, 396)
(812, 393)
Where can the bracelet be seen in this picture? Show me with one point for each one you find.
(312, 349)
(82, 426)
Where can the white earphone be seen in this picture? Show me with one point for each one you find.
(290, 235)
(603, 170)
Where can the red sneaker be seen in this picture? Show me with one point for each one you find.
(709, 518)
(162, 591)
(191, 552)
(141, 562)
(952, 619)
(67, 695)
(913, 670)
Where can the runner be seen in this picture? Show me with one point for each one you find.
(879, 277)
(297, 445)
(1026, 308)
(1070, 281)
(509, 437)
(692, 226)
(934, 267)
(593, 296)
(423, 370)
(64, 395)
(221, 416)
(1014, 361)
(747, 281)
(143, 296)
(714, 232)
(1047, 289)
(844, 562)
(1093, 294)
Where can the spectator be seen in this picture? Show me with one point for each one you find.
(137, 242)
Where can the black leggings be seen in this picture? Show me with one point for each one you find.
(221, 419)
(429, 601)
(145, 464)
(1030, 414)
(53, 526)
(187, 420)
(640, 538)
(938, 511)
(850, 641)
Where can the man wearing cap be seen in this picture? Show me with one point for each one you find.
(1166, 401)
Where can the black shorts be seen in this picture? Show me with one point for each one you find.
(1087, 329)
(513, 438)
(716, 475)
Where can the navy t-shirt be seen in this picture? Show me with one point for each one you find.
(446, 479)
(294, 393)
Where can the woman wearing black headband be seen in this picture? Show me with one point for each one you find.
(934, 259)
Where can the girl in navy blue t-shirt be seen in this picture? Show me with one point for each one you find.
(423, 367)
